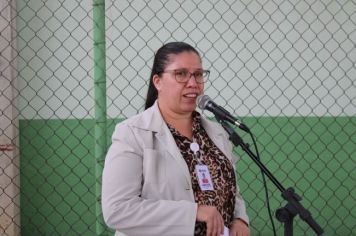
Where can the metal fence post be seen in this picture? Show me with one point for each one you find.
(9, 124)
(100, 104)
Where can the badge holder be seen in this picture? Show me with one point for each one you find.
(201, 170)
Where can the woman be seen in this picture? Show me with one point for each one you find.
(169, 171)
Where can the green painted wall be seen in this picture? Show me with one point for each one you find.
(315, 155)
(57, 177)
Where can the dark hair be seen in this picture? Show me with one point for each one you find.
(160, 62)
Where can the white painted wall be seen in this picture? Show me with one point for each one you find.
(55, 59)
(267, 58)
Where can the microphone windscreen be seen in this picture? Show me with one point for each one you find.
(202, 101)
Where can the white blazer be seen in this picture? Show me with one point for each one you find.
(146, 185)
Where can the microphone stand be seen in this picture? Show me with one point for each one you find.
(284, 214)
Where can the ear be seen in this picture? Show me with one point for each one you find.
(157, 82)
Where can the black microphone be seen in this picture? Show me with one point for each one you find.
(205, 102)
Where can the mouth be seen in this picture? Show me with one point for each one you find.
(191, 95)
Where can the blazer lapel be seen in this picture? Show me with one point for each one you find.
(166, 139)
(154, 121)
(216, 134)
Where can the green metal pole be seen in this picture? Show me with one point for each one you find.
(100, 105)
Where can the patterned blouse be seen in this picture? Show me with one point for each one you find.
(220, 168)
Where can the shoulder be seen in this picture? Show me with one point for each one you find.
(149, 120)
(128, 133)
(212, 127)
(135, 120)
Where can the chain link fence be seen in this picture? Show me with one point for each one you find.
(287, 68)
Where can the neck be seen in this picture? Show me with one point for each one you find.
(183, 122)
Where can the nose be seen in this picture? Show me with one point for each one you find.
(192, 82)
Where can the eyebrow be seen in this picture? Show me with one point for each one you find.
(196, 69)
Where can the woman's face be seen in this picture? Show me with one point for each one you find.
(173, 96)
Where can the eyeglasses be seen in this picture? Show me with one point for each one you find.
(183, 75)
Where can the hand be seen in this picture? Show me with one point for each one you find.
(239, 228)
(213, 219)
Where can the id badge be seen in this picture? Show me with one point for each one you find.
(204, 178)
(226, 231)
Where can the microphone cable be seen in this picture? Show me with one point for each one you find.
(264, 185)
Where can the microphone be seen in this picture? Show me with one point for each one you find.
(205, 102)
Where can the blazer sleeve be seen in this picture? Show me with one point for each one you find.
(240, 208)
(123, 207)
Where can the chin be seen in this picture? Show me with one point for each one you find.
(189, 108)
